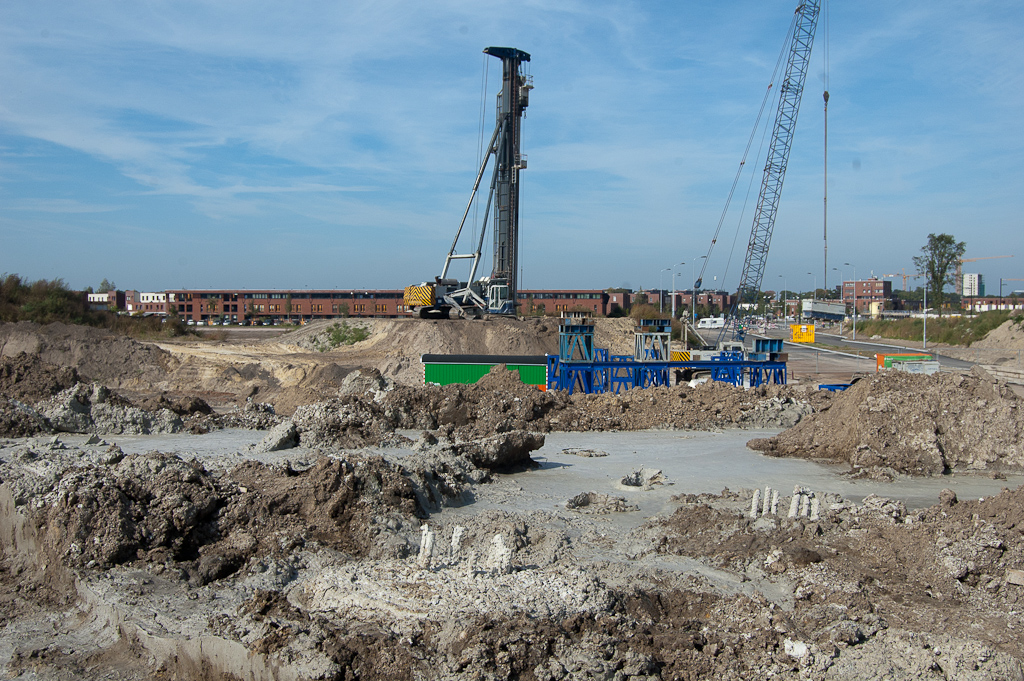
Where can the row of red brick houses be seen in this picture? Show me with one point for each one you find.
(232, 305)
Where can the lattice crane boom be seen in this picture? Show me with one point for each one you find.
(790, 94)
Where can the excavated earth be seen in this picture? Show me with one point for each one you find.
(345, 543)
(913, 424)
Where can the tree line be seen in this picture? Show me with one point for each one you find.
(48, 301)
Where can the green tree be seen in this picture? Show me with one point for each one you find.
(939, 257)
(644, 311)
(106, 287)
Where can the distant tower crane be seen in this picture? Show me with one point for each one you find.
(961, 261)
(790, 94)
(495, 294)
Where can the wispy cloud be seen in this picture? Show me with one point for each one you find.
(57, 206)
(363, 118)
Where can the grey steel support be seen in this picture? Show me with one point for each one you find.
(653, 340)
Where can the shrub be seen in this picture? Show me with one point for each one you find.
(342, 334)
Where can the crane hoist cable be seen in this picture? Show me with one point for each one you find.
(768, 98)
(825, 58)
(790, 93)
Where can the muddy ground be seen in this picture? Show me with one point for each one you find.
(317, 554)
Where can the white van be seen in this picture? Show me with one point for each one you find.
(711, 323)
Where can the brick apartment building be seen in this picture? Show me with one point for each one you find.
(714, 302)
(284, 305)
(106, 301)
(145, 303)
(866, 292)
(239, 305)
(554, 302)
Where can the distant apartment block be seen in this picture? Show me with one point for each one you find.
(109, 300)
(284, 305)
(972, 285)
(864, 292)
(145, 303)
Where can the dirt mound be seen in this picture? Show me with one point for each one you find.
(394, 346)
(499, 402)
(1007, 336)
(415, 337)
(913, 424)
(17, 419)
(866, 574)
(92, 408)
(110, 509)
(113, 360)
(182, 405)
(141, 505)
(28, 378)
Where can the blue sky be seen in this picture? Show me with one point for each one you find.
(334, 144)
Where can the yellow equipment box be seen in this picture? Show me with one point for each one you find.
(802, 333)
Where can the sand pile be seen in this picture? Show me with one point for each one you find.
(1007, 336)
(113, 360)
(913, 424)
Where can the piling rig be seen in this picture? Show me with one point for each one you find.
(494, 294)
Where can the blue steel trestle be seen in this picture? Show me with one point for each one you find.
(580, 367)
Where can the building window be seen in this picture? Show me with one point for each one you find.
(317, 307)
(275, 307)
(380, 307)
(359, 307)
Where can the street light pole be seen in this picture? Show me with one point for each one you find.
(842, 290)
(814, 293)
(785, 302)
(924, 340)
(854, 298)
(661, 290)
(693, 291)
(673, 268)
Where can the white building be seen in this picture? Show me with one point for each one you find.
(146, 303)
(972, 285)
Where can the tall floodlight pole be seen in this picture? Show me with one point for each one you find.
(924, 340)
(693, 291)
(814, 293)
(674, 288)
(785, 302)
(661, 290)
(854, 298)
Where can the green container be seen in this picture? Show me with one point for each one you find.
(445, 374)
(888, 359)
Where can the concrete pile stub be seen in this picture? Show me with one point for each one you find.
(764, 504)
(804, 504)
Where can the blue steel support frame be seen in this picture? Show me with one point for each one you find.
(621, 372)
